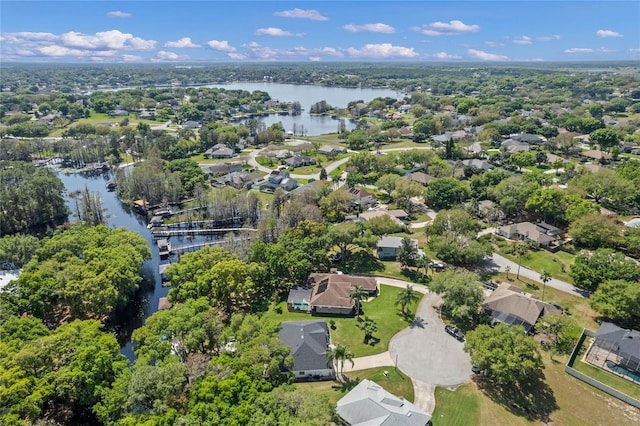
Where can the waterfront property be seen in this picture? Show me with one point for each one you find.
(308, 341)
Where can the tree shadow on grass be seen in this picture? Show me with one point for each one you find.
(532, 399)
(346, 385)
(363, 261)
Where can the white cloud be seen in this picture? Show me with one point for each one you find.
(312, 14)
(132, 58)
(454, 27)
(445, 55)
(634, 50)
(523, 40)
(184, 42)
(24, 52)
(493, 43)
(314, 58)
(113, 39)
(371, 28)
(485, 56)
(238, 56)
(221, 45)
(548, 38)
(275, 32)
(118, 14)
(163, 55)
(578, 50)
(381, 51)
(607, 33)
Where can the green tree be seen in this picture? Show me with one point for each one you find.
(520, 249)
(618, 300)
(382, 225)
(462, 294)
(357, 294)
(594, 231)
(606, 138)
(338, 355)
(506, 352)
(407, 253)
(369, 327)
(548, 204)
(446, 192)
(405, 298)
(562, 330)
(17, 249)
(457, 221)
(460, 250)
(591, 269)
(404, 191)
(387, 183)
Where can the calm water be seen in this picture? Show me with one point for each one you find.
(307, 96)
(120, 215)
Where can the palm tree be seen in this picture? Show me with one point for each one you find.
(369, 327)
(520, 249)
(406, 297)
(338, 355)
(357, 294)
(545, 277)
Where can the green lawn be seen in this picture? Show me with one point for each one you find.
(396, 383)
(381, 309)
(623, 385)
(557, 264)
(459, 407)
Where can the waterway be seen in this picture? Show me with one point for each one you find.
(119, 215)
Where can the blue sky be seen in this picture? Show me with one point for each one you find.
(250, 31)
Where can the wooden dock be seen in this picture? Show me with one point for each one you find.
(165, 232)
(194, 246)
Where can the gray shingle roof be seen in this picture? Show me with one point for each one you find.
(308, 341)
(371, 405)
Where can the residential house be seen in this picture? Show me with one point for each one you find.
(595, 155)
(509, 305)
(224, 152)
(542, 234)
(633, 223)
(371, 214)
(447, 136)
(478, 164)
(528, 138)
(369, 404)
(590, 167)
(223, 169)
(398, 214)
(238, 180)
(388, 247)
(119, 113)
(332, 150)
(191, 124)
(512, 146)
(299, 298)
(487, 209)
(623, 345)
(361, 196)
(419, 177)
(330, 292)
(308, 341)
(311, 187)
(405, 132)
(276, 179)
(299, 161)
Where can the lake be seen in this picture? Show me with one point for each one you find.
(308, 95)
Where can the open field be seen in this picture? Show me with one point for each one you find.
(381, 309)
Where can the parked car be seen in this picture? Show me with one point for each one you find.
(437, 266)
(454, 332)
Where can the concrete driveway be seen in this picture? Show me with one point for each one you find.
(425, 352)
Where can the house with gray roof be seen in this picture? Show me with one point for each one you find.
(389, 246)
(542, 234)
(512, 146)
(331, 150)
(509, 305)
(369, 404)
(478, 164)
(623, 345)
(308, 341)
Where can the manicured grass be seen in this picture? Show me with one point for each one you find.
(557, 264)
(306, 170)
(459, 407)
(623, 385)
(381, 309)
(396, 383)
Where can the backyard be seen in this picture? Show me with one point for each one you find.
(394, 382)
(381, 309)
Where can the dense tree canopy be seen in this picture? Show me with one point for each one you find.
(591, 269)
(29, 197)
(505, 351)
(83, 272)
(618, 300)
(462, 294)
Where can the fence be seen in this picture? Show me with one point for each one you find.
(595, 383)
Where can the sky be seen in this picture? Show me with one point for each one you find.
(315, 31)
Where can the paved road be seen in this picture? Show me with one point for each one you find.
(425, 352)
(498, 263)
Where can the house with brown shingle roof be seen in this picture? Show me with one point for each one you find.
(330, 292)
(595, 155)
(509, 305)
